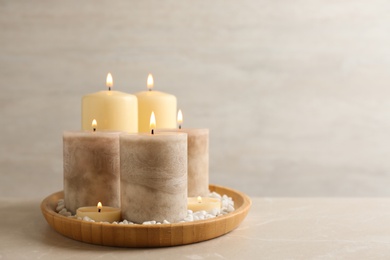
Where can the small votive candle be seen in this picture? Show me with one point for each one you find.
(203, 203)
(100, 213)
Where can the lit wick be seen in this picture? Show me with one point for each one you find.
(199, 199)
(109, 81)
(94, 125)
(179, 118)
(99, 206)
(152, 123)
(150, 82)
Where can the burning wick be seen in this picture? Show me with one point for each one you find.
(199, 199)
(179, 118)
(109, 81)
(99, 206)
(152, 123)
(94, 125)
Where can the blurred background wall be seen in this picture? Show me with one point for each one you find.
(295, 93)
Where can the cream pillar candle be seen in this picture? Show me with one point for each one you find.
(91, 169)
(203, 203)
(198, 158)
(114, 110)
(153, 177)
(100, 213)
(163, 104)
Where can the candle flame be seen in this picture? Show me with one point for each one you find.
(179, 118)
(109, 81)
(99, 206)
(152, 124)
(199, 199)
(150, 82)
(94, 124)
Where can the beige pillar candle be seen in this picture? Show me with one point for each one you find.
(91, 169)
(163, 105)
(198, 160)
(114, 110)
(153, 177)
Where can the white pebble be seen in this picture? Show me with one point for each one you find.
(61, 201)
(149, 222)
(125, 222)
(230, 208)
(214, 211)
(85, 218)
(189, 212)
(195, 217)
(62, 211)
(189, 218)
(60, 207)
(215, 195)
(166, 222)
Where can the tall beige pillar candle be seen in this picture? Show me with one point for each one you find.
(198, 160)
(163, 105)
(153, 177)
(91, 169)
(114, 110)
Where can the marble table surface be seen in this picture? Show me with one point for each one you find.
(275, 228)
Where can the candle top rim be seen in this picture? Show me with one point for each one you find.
(113, 93)
(154, 93)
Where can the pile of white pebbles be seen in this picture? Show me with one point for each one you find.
(227, 206)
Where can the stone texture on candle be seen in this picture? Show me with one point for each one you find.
(91, 169)
(198, 160)
(153, 177)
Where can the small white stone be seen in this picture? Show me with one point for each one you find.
(85, 218)
(210, 216)
(115, 222)
(214, 211)
(158, 223)
(67, 214)
(146, 223)
(62, 211)
(196, 217)
(215, 195)
(125, 222)
(166, 222)
(230, 208)
(61, 201)
(189, 212)
(121, 223)
(60, 207)
(189, 218)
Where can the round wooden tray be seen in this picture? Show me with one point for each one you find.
(147, 235)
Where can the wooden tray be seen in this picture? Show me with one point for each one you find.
(147, 235)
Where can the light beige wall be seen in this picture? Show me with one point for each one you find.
(295, 93)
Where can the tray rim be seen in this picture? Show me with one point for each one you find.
(194, 231)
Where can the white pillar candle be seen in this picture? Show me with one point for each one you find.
(105, 214)
(91, 169)
(153, 177)
(163, 104)
(114, 110)
(203, 203)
